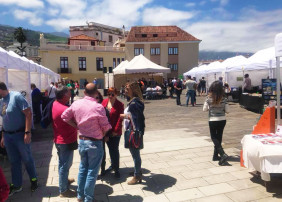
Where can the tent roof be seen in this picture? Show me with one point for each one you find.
(140, 64)
(120, 68)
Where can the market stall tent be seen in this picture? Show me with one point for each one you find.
(138, 67)
(140, 64)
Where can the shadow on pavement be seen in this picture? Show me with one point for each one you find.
(158, 183)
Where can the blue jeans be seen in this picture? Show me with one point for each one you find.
(65, 162)
(91, 154)
(135, 153)
(190, 93)
(19, 152)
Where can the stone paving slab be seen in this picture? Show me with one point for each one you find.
(176, 161)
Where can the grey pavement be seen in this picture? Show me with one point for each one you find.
(176, 161)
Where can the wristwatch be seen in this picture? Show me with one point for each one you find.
(27, 132)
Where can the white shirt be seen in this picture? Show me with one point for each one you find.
(53, 89)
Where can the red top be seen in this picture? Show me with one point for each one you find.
(4, 188)
(63, 132)
(115, 112)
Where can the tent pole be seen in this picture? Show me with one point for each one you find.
(278, 89)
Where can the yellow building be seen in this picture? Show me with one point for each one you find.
(168, 46)
(85, 60)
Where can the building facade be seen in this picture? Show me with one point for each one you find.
(80, 62)
(109, 35)
(168, 46)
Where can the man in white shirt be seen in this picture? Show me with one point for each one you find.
(191, 87)
(51, 91)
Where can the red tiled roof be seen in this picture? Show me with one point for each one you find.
(158, 34)
(83, 37)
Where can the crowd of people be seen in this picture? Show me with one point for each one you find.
(95, 122)
(91, 120)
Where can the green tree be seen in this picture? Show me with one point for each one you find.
(20, 37)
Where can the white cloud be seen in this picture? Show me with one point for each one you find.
(23, 3)
(252, 32)
(69, 9)
(190, 4)
(109, 12)
(165, 16)
(53, 11)
(31, 17)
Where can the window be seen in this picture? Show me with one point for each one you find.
(173, 67)
(114, 63)
(155, 51)
(138, 51)
(173, 51)
(110, 38)
(155, 35)
(122, 59)
(92, 43)
(64, 62)
(82, 63)
(99, 64)
(118, 61)
(158, 51)
(144, 35)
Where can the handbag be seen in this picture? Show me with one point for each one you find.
(133, 138)
(72, 146)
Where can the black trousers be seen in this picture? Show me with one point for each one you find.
(178, 102)
(216, 131)
(113, 145)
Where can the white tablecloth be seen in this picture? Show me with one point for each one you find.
(263, 153)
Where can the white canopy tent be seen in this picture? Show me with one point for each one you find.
(18, 72)
(120, 69)
(140, 64)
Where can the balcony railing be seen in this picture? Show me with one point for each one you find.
(81, 48)
(64, 70)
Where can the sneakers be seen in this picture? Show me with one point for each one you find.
(14, 190)
(68, 194)
(34, 184)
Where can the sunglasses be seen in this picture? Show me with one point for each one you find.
(111, 94)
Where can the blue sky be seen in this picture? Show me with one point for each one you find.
(222, 25)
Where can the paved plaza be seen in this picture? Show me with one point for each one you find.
(176, 160)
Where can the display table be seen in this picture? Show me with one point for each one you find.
(254, 103)
(263, 153)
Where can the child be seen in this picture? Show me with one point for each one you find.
(217, 106)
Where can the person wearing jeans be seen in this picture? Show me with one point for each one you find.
(190, 93)
(16, 136)
(191, 90)
(64, 135)
(91, 155)
(91, 120)
(134, 117)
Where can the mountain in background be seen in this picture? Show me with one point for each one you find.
(7, 36)
(61, 34)
(222, 55)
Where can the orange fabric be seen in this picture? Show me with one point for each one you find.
(266, 123)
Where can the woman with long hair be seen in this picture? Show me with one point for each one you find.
(115, 109)
(134, 115)
(217, 106)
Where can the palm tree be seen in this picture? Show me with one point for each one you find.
(20, 37)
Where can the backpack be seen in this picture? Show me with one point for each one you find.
(47, 114)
